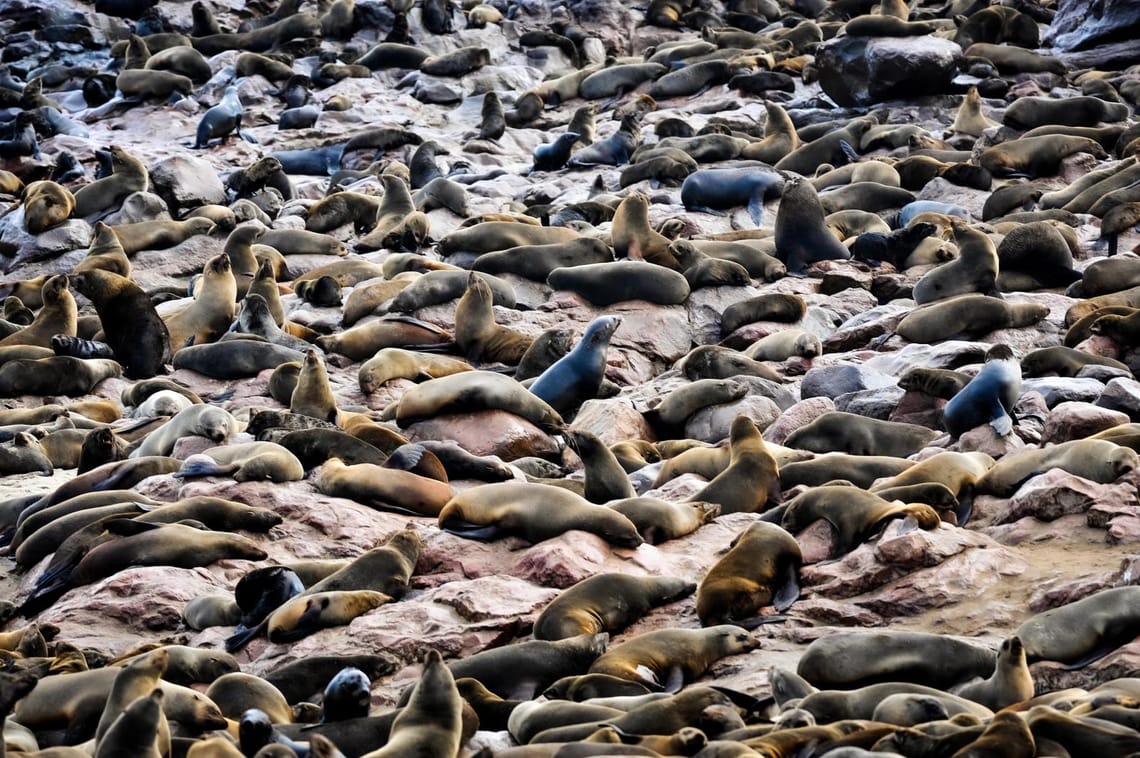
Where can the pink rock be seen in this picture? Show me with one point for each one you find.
(1123, 662)
(612, 420)
(1124, 530)
(1076, 420)
(711, 424)
(824, 611)
(803, 412)
(1057, 493)
(919, 408)
(487, 433)
(1030, 530)
(818, 542)
(983, 439)
(563, 561)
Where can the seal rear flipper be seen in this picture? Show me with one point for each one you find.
(468, 530)
(750, 704)
(242, 635)
(756, 208)
(848, 153)
(759, 620)
(127, 527)
(674, 682)
(1091, 657)
(704, 209)
(203, 465)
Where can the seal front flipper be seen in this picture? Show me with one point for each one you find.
(756, 208)
(1093, 656)
(204, 465)
(242, 635)
(705, 209)
(472, 531)
(999, 419)
(789, 590)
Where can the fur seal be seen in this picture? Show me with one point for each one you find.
(554, 155)
(988, 398)
(974, 315)
(720, 189)
(659, 521)
(1010, 682)
(137, 336)
(395, 363)
(490, 510)
(855, 513)
(207, 317)
(59, 315)
(1063, 361)
(477, 334)
(751, 480)
(245, 462)
(632, 236)
(802, 236)
(857, 659)
(606, 603)
(470, 391)
(221, 120)
(384, 488)
(669, 657)
(1095, 459)
(1036, 156)
(61, 375)
(860, 435)
(458, 62)
(605, 478)
(536, 262)
(234, 359)
(1082, 631)
(604, 284)
(46, 205)
(777, 306)
(198, 420)
(974, 270)
(716, 362)
(760, 568)
(785, 344)
(578, 375)
(301, 616)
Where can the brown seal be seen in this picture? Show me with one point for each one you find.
(658, 521)
(61, 375)
(632, 236)
(760, 568)
(668, 657)
(129, 174)
(477, 334)
(858, 659)
(1095, 459)
(860, 435)
(607, 603)
(301, 616)
(776, 306)
(974, 315)
(59, 315)
(131, 326)
(751, 481)
(974, 270)
(470, 391)
(395, 363)
(384, 488)
(207, 317)
(1010, 682)
(46, 205)
(529, 510)
(855, 513)
(1036, 156)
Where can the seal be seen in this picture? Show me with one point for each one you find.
(234, 359)
(536, 262)
(1095, 459)
(553, 156)
(137, 731)
(395, 363)
(245, 462)
(855, 514)
(780, 137)
(659, 521)
(632, 236)
(859, 435)
(527, 510)
(471, 391)
(604, 284)
(760, 568)
(1063, 361)
(59, 315)
(751, 480)
(477, 334)
(605, 479)
(607, 603)
(974, 315)
(60, 375)
(776, 306)
(236, 692)
(207, 317)
(391, 217)
(308, 676)
(348, 695)
(1036, 156)
(131, 326)
(988, 398)
(134, 680)
(489, 236)
(715, 362)
(383, 488)
(974, 270)
(578, 375)
(129, 174)
(308, 613)
(1010, 682)
(957, 472)
(431, 723)
(785, 344)
(458, 62)
(1083, 631)
(492, 124)
(46, 205)
(720, 189)
(203, 420)
(670, 657)
(857, 659)
(802, 236)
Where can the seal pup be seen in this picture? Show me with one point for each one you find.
(988, 398)
(577, 376)
(607, 603)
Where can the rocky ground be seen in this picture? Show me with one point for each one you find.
(1059, 538)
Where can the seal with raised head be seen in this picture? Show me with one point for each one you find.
(988, 398)
(1010, 682)
(477, 334)
(577, 376)
(131, 326)
(751, 480)
(974, 270)
(802, 236)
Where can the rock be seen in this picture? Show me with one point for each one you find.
(612, 420)
(918, 408)
(850, 278)
(19, 248)
(140, 206)
(859, 331)
(865, 70)
(186, 182)
(488, 433)
(711, 424)
(1124, 530)
(803, 412)
(833, 381)
(877, 403)
(1059, 389)
(1058, 493)
(1074, 420)
(1122, 394)
(1080, 24)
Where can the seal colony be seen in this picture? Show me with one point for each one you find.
(741, 376)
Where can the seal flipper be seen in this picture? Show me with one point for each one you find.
(203, 465)
(965, 509)
(472, 531)
(789, 590)
(756, 208)
(848, 153)
(1093, 656)
(243, 634)
(675, 681)
(704, 209)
